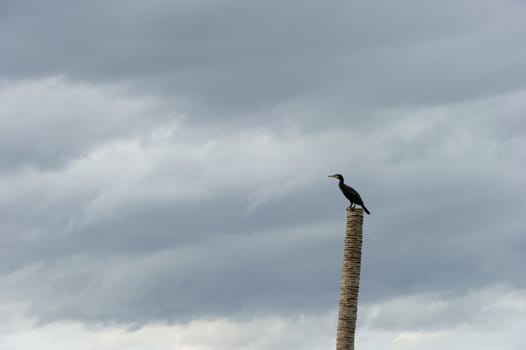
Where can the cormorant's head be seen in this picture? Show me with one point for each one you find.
(337, 176)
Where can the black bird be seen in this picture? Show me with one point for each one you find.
(350, 193)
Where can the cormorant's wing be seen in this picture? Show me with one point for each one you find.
(352, 194)
(351, 191)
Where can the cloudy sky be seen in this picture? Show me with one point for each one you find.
(163, 173)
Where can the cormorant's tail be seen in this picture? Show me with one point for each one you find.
(365, 209)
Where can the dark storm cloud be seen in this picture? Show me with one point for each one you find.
(229, 57)
(222, 275)
(48, 123)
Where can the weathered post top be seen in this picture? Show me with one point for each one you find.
(355, 213)
(350, 282)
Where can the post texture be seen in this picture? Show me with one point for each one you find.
(350, 283)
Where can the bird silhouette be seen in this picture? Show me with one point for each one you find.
(350, 193)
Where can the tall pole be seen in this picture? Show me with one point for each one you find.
(350, 283)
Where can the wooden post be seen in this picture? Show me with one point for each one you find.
(350, 283)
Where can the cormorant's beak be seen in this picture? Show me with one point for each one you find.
(332, 176)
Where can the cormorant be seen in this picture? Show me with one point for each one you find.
(350, 193)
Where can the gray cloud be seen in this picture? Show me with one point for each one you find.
(247, 224)
(49, 123)
(169, 162)
(232, 58)
(490, 309)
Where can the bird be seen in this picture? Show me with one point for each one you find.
(350, 193)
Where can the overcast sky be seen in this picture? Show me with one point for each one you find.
(163, 173)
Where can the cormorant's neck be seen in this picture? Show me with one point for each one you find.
(341, 180)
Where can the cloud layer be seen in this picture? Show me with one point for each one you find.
(165, 167)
